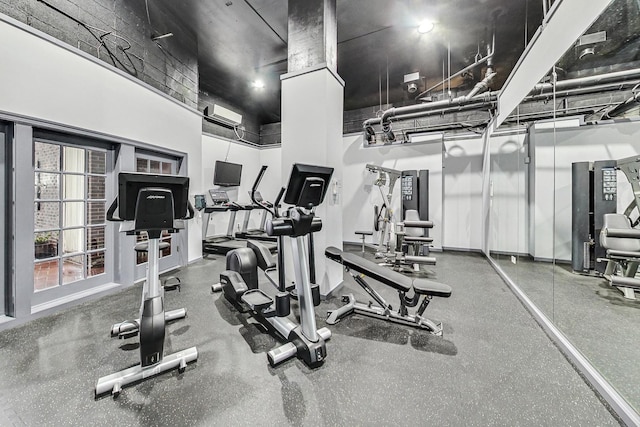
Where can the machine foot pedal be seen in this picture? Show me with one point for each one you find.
(256, 299)
(172, 283)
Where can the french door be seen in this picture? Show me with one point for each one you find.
(70, 233)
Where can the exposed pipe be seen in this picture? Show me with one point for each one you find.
(488, 58)
(419, 110)
(425, 109)
(464, 70)
(623, 107)
(581, 81)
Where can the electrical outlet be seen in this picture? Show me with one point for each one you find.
(513, 259)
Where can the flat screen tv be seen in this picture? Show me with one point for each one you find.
(227, 174)
(130, 184)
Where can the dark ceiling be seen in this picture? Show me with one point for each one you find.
(241, 40)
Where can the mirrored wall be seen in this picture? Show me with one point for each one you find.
(557, 168)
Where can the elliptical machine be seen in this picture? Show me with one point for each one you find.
(151, 203)
(306, 190)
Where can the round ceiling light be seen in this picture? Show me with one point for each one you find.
(258, 84)
(425, 27)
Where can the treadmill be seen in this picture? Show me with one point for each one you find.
(256, 233)
(221, 244)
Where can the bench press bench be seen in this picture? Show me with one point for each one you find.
(423, 291)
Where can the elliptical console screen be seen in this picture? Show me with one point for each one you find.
(130, 184)
(308, 185)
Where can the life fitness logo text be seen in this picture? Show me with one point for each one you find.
(154, 196)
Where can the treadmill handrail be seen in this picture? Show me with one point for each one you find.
(254, 188)
(276, 204)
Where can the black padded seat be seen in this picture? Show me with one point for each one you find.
(428, 287)
(388, 277)
(424, 239)
(364, 233)
(144, 246)
(417, 224)
(334, 254)
(376, 272)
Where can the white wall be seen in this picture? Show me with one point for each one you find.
(44, 81)
(508, 195)
(587, 143)
(224, 150)
(273, 179)
(360, 195)
(462, 175)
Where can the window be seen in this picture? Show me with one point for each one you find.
(69, 214)
(161, 167)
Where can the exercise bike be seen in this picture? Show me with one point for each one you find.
(306, 190)
(151, 203)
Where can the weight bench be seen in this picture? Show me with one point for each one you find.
(423, 291)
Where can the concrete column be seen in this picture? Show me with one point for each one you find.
(312, 109)
(313, 35)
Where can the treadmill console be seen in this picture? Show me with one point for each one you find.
(219, 197)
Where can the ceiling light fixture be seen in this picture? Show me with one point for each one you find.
(258, 84)
(161, 36)
(425, 27)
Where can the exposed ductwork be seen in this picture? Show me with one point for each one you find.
(623, 107)
(610, 81)
(421, 110)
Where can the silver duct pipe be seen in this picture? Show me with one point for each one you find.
(488, 59)
(464, 70)
(482, 85)
(569, 86)
(623, 107)
(590, 80)
(418, 110)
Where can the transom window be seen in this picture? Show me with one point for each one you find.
(69, 214)
(157, 166)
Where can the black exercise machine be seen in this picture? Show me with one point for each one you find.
(223, 243)
(259, 233)
(306, 190)
(423, 291)
(405, 245)
(130, 328)
(152, 204)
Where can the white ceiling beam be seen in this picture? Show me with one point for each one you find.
(565, 22)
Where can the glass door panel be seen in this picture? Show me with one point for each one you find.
(4, 182)
(69, 214)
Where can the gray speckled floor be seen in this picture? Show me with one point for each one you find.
(494, 365)
(598, 320)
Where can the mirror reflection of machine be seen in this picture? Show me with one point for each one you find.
(594, 193)
(620, 237)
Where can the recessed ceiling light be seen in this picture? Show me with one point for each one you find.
(258, 84)
(425, 27)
